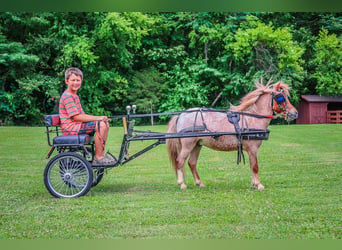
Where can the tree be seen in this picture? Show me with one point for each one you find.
(257, 50)
(197, 57)
(328, 61)
(187, 90)
(147, 90)
(15, 64)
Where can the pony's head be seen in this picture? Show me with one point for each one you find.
(280, 101)
(280, 104)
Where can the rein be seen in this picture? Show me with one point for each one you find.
(191, 111)
(255, 115)
(228, 111)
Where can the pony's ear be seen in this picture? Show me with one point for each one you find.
(276, 86)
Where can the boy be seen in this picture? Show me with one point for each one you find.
(74, 121)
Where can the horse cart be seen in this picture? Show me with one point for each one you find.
(70, 172)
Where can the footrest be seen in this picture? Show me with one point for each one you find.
(72, 140)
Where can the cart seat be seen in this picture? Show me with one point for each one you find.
(53, 121)
(72, 140)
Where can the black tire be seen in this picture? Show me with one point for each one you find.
(97, 175)
(68, 175)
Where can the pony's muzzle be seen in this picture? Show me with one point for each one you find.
(292, 115)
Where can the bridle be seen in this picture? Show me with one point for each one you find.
(281, 102)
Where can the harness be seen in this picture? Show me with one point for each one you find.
(234, 118)
(196, 128)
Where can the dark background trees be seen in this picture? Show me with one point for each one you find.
(162, 61)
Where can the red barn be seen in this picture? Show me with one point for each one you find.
(314, 109)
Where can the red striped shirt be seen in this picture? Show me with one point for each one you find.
(69, 106)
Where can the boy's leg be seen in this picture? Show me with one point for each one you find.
(100, 128)
(100, 139)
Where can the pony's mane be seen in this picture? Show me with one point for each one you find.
(248, 101)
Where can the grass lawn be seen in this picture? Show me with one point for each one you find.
(300, 167)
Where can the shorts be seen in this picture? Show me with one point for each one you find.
(87, 128)
(77, 128)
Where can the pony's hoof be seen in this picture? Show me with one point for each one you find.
(260, 187)
(201, 185)
(183, 186)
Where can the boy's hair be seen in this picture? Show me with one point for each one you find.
(74, 71)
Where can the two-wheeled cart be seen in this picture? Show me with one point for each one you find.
(71, 174)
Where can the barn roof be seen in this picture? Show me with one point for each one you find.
(317, 98)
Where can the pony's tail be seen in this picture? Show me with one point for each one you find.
(173, 145)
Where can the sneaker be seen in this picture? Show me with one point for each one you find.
(105, 161)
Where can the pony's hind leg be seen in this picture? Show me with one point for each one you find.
(180, 167)
(188, 145)
(193, 164)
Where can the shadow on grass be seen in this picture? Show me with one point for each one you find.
(156, 188)
(125, 188)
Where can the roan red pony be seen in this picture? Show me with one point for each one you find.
(256, 109)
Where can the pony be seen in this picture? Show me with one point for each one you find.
(257, 109)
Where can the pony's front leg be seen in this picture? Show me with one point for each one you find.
(255, 169)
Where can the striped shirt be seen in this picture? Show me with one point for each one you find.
(69, 106)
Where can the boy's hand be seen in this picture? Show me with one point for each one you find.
(104, 118)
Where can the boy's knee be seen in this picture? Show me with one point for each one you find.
(104, 125)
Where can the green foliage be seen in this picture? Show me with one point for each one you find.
(35, 89)
(80, 48)
(187, 90)
(328, 61)
(164, 58)
(259, 50)
(121, 34)
(15, 63)
(200, 58)
(14, 60)
(101, 89)
(147, 89)
(7, 105)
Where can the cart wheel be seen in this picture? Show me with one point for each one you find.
(68, 175)
(97, 175)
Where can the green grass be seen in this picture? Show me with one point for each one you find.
(300, 167)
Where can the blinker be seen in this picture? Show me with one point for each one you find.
(279, 98)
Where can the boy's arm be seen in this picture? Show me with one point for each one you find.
(89, 118)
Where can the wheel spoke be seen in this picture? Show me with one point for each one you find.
(68, 175)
